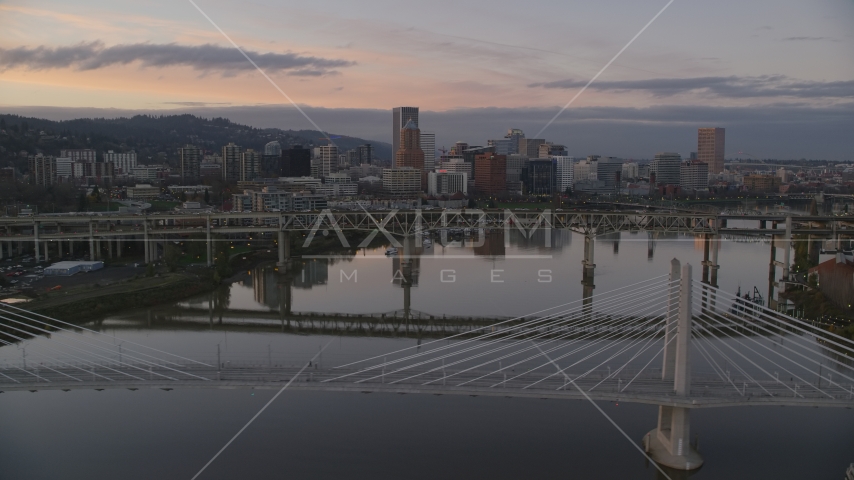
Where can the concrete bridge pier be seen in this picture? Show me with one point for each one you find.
(71, 248)
(284, 249)
(91, 242)
(1, 251)
(36, 236)
(669, 443)
(46, 245)
(208, 245)
(146, 244)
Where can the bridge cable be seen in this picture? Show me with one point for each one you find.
(101, 333)
(500, 323)
(480, 344)
(631, 441)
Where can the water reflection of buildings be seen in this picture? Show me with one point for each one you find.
(314, 272)
(265, 281)
(405, 271)
(543, 240)
(492, 245)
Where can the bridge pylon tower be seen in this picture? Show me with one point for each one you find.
(669, 443)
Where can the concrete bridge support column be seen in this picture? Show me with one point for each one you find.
(209, 245)
(46, 246)
(36, 236)
(91, 242)
(668, 366)
(119, 247)
(669, 443)
(109, 248)
(145, 243)
(284, 249)
(772, 274)
(20, 248)
(787, 254)
(59, 249)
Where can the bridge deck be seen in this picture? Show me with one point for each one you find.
(647, 388)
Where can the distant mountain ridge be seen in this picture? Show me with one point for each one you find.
(159, 136)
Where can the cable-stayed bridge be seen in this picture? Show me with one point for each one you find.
(669, 341)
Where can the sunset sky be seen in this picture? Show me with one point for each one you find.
(744, 60)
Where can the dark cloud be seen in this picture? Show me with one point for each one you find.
(207, 58)
(733, 86)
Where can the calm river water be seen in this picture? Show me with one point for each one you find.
(148, 434)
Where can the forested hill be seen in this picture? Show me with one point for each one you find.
(155, 138)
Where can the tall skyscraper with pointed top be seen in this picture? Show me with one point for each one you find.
(399, 117)
(409, 154)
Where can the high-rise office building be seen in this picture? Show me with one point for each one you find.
(630, 171)
(443, 182)
(610, 171)
(504, 146)
(250, 165)
(79, 154)
(401, 182)
(327, 156)
(191, 159)
(231, 162)
(694, 175)
(65, 169)
(548, 150)
(273, 148)
(428, 146)
(490, 174)
(400, 116)
(459, 148)
(667, 168)
(42, 169)
(516, 166)
(530, 147)
(122, 162)
(710, 148)
(296, 162)
(409, 154)
(541, 176)
(366, 154)
(515, 136)
(565, 172)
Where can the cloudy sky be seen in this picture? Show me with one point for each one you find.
(779, 75)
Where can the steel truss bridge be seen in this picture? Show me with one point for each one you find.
(669, 341)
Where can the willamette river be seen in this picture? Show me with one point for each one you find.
(154, 434)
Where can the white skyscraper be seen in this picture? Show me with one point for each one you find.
(428, 145)
(328, 156)
(565, 172)
(122, 162)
